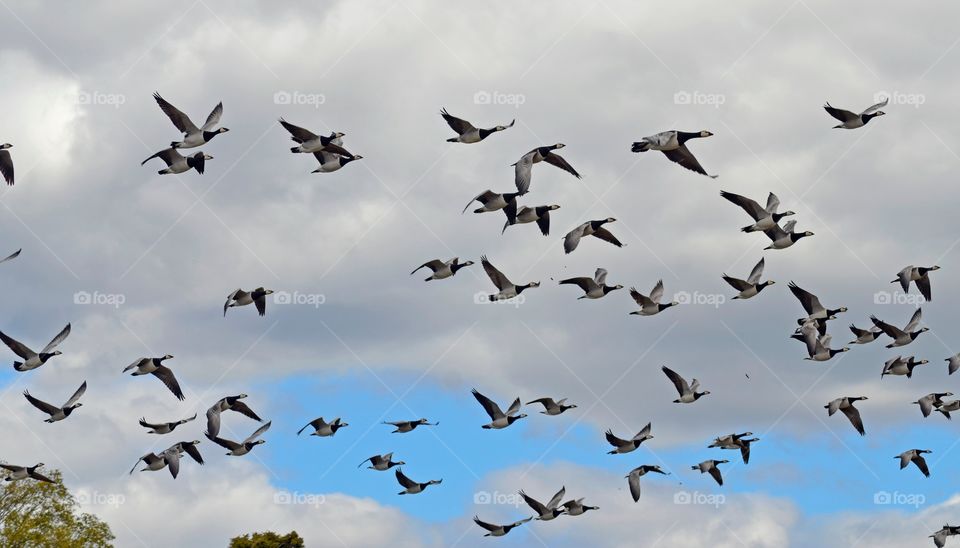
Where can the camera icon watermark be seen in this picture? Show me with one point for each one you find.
(896, 498)
(484, 298)
(710, 299)
(99, 98)
(96, 498)
(683, 97)
(898, 297)
(298, 498)
(311, 299)
(484, 97)
(283, 97)
(696, 497)
(496, 497)
(900, 98)
(115, 300)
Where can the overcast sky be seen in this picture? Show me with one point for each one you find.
(364, 340)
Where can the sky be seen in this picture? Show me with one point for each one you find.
(140, 265)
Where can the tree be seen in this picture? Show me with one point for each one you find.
(268, 539)
(45, 515)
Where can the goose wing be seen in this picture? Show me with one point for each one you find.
(179, 119)
(657, 294)
(890, 330)
(225, 443)
(853, 415)
(607, 236)
(914, 320)
(245, 410)
(750, 206)
(214, 118)
(839, 113)
(614, 440)
(172, 456)
(715, 472)
(258, 432)
(904, 278)
(488, 526)
(483, 198)
(808, 300)
(873, 108)
(489, 405)
(757, 271)
(495, 275)
(404, 480)
(56, 340)
(555, 501)
(434, 265)
(600, 276)
(315, 424)
(537, 506)
(921, 464)
(643, 433)
(261, 303)
(523, 171)
(557, 160)
(773, 203)
(297, 133)
(168, 155)
(6, 166)
(543, 222)
(40, 477)
(459, 125)
(678, 382)
(17, 347)
(736, 283)
(685, 158)
(165, 374)
(633, 480)
(584, 283)
(77, 395)
(191, 449)
(572, 239)
(640, 298)
(13, 255)
(923, 284)
(514, 407)
(40, 404)
(775, 233)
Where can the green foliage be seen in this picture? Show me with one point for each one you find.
(268, 539)
(45, 515)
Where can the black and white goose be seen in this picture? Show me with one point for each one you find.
(850, 120)
(170, 458)
(239, 449)
(650, 306)
(323, 428)
(330, 162)
(673, 145)
(58, 413)
(492, 201)
(785, 237)
(752, 285)
(442, 269)
(411, 487)
(595, 287)
(523, 168)
(164, 427)
(820, 351)
(155, 367)
(6, 163)
(508, 289)
(193, 136)
(310, 142)
(948, 407)
(538, 214)
(190, 448)
(154, 463)
(466, 133)
(499, 419)
(765, 217)
(931, 401)
(920, 276)
(711, 467)
(901, 366)
(548, 511)
(905, 336)
(577, 507)
(940, 537)
(402, 427)
(551, 407)
(17, 473)
(381, 462)
(31, 359)
(242, 298)
(845, 405)
(589, 228)
(178, 163)
(11, 256)
(864, 336)
(916, 457)
(953, 364)
(811, 303)
(736, 442)
(633, 478)
(688, 392)
(229, 403)
(621, 446)
(498, 530)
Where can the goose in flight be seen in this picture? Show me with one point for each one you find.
(381, 462)
(466, 133)
(850, 120)
(498, 530)
(785, 237)
(940, 537)
(548, 511)
(821, 351)
(170, 458)
(539, 215)
(577, 507)
(309, 142)
(499, 419)
(523, 168)
(178, 163)
(595, 287)
(442, 270)
(673, 145)
(811, 303)
(402, 427)
(18, 473)
(508, 289)
(736, 441)
(622, 446)
(155, 367)
(900, 366)
(58, 413)
(14, 255)
(864, 336)
(164, 427)
(323, 428)
(845, 405)
(243, 298)
(948, 407)
(905, 336)
(551, 407)
(710, 467)
(330, 162)
(765, 217)
(916, 457)
(411, 487)
(931, 401)
(31, 359)
(953, 363)
(244, 447)
(491, 201)
(589, 228)
(633, 478)
(6, 163)
(192, 135)
(229, 403)
(920, 276)
(752, 285)
(688, 392)
(650, 306)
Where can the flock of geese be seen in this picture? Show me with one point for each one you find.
(328, 150)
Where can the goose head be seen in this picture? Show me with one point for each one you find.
(38, 465)
(56, 353)
(338, 134)
(76, 405)
(223, 130)
(558, 146)
(553, 206)
(259, 442)
(166, 357)
(766, 283)
(401, 463)
(203, 155)
(724, 461)
(354, 157)
(705, 133)
(5, 146)
(467, 263)
(499, 128)
(537, 284)
(618, 286)
(609, 220)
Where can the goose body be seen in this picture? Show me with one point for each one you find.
(752, 286)
(621, 446)
(688, 392)
(782, 238)
(821, 351)
(193, 136)
(309, 142)
(466, 132)
(330, 162)
(765, 218)
(58, 413)
(17, 473)
(590, 228)
(523, 168)
(539, 215)
(920, 276)
(411, 487)
(711, 467)
(442, 269)
(901, 366)
(498, 530)
(864, 336)
(323, 428)
(499, 419)
(851, 120)
(577, 507)
(673, 145)
(178, 163)
(738, 442)
(633, 478)
(31, 359)
(650, 306)
(914, 456)
(947, 407)
(492, 201)
(242, 298)
(155, 367)
(508, 289)
(811, 304)
(164, 427)
(905, 336)
(593, 288)
(953, 363)
(242, 448)
(845, 405)
(381, 463)
(402, 427)
(551, 407)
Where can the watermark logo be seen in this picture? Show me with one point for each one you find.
(496, 497)
(298, 498)
(898, 297)
(484, 298)
(96, 498)
(683, 97)
(900, 98)
(311, 299)
(484, 97)
(696, 497)
(896, 498)
(115, 300)
(99, 98)
(284, 97)
(710, 299)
